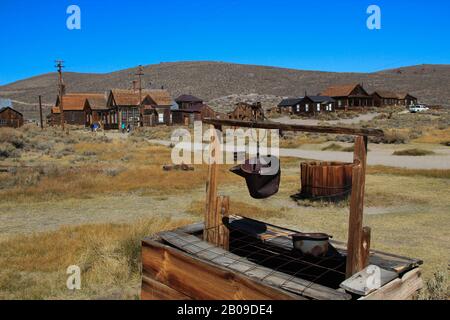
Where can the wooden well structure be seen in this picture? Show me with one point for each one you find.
(233, 257)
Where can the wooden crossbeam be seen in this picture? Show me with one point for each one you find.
(292, 127)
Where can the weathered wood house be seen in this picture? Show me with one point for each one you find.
(349, 96)
(307, 105)
(100, 112)
(153, 109)
(245, 111)
(10, 118)
(311, 105)
(288, 105)
(189, 110)
(384, 98)
(405, 99)
(157, 105)
(76, 110)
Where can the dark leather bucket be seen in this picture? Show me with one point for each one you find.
(262, 176)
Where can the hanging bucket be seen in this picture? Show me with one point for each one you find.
(262, 175)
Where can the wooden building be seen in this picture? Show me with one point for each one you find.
(245, 111)
(349, 96)
(154, 109)
(384, 98)
(288, 105)
(100, 112)
(10, 118)
(157, 105)
(307, 105)
(405, 99)
(76, 110)
(189, 109)
(312, 105)
(186, 102)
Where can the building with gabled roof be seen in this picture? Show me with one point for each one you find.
(383, 98)
(349, 95)
(406, 99)
(10, 117)
(145, 108)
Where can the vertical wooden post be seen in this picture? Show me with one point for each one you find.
(355, 231)
(40, 113)
(223, 209)
(211, 188)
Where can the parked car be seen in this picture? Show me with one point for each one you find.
(418, 108)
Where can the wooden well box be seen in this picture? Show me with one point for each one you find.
(232, 257)
(259, 265)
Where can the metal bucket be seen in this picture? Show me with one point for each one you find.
(262, 175)
(312, 244)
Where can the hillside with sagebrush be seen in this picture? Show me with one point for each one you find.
(222, 84)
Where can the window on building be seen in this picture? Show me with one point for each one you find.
(161, 117)
(306, 107)
(318, 107)
(340, 103)
(3, 122)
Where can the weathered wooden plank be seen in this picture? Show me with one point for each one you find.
(201, 280)
(154, 290)
(193, 228)
(355, 229)
(237, 263)
(291, 127)
(400, 289)
(361, 282)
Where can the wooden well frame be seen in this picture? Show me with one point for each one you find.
(174, 268)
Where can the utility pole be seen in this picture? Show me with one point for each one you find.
(59, 66)
(140, 73)
(40, 113)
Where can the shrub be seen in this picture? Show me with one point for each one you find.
(112, 172)
(395, 137)
(332, 147)
(13, 137)
(436, 288)
(7, 150)
(413, 152)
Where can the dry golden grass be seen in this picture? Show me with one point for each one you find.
(432, 173)
(111, 168)
(435, 137)
(297, 140)
(34, 267)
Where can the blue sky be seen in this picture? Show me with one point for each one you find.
(313, 35)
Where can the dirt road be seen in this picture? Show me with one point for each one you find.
(314, 122)
(378, 155)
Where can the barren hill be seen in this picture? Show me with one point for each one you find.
(215, 80)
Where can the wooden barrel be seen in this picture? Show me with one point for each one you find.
(326, 180)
